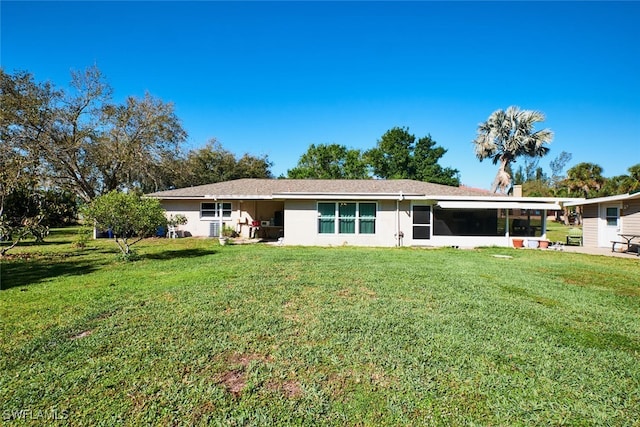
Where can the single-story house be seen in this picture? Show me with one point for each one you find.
(358, 212)
(604, 219)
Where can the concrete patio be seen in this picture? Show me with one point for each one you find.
(598, 251)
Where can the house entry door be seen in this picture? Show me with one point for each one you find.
(610, 220)
(421, 222)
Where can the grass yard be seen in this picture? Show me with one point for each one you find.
(557, 232)
(194, 333)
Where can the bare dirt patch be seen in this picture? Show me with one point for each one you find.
(233, 381)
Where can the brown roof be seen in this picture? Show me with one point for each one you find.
(280, 188)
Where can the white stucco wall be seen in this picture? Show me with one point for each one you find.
(301, 226)
(196, 225)
(242, 214)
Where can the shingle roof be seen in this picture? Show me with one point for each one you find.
(279, 188)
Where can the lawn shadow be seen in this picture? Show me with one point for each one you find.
(32, 271)
(33, 243)
(180, 253)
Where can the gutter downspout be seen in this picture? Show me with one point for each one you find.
(399, 234)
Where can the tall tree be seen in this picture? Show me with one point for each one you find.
(330, 161)
(632, 183)
(614, 185)
(507, 135)
(557, 165)
(213, 163)
(19, 172)
(531, 168)
(398, 155)
(622, 183)
(140, 134)
(584, 180)
(83, 141)
(425, 162)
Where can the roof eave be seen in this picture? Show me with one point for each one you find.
(607, 199)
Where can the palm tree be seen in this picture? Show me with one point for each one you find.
(507, 135)
(584, 179)
(633, 182)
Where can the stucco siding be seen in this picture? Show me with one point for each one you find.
(301, 226)
(196, 225)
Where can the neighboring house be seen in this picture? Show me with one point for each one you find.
(358, 212)
(604, 218)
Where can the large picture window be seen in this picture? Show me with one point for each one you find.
(346, 218)
(215, 210)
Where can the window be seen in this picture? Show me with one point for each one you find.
(612, 216)
(367, 218)
(326, 218)
(347, 218)
(352, 218)
(215, 210)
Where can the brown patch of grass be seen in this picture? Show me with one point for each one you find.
(292, 389)
(234, 381)
(289, 388)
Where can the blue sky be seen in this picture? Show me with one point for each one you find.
(274, 77)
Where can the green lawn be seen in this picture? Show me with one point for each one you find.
(557, 231)
(195, 333)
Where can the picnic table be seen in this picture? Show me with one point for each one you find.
(632, 247)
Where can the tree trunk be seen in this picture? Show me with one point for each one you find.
(503, 179)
